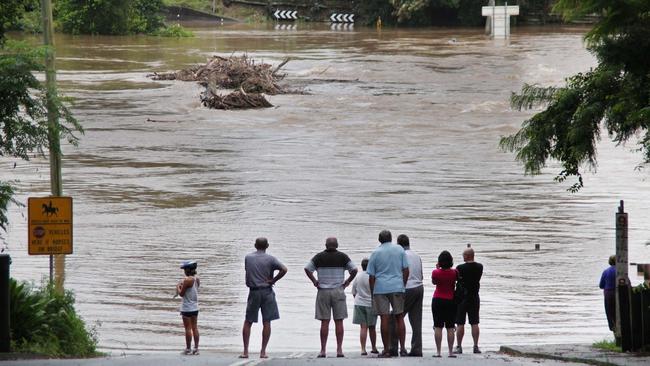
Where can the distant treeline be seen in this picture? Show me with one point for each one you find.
(116, 17)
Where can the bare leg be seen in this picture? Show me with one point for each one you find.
(450, 341)
(187, 324)
(266, 335)
(338, 327)
(460, 333)
(363, 335)
(324, 333)
(437, 335)
(401, 331)
(195, 331)
(373, 337)
(385, 332)
(475, 333)
(246, 335)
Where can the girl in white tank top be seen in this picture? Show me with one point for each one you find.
(188, 289)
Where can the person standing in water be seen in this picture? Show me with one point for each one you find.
(188, 290)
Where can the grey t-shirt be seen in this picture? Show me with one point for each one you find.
(259, 268)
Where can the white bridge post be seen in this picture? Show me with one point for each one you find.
(499, 19)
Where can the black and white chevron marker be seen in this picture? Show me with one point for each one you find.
(342, 26)
(286, 14)
(342, 18)
(286, 27)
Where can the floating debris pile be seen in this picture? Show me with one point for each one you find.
(252, 80)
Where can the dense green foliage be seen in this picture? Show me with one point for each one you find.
(614, 96)
(108, 16)
(44, 321)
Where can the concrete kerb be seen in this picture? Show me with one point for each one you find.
(578, 353)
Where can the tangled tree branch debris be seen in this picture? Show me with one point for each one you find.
(236, 72)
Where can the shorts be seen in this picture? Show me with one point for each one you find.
(261, 299)
(444, 313)
(469, 306)
(382, 303)
(330, 302)
(365, 315)
(190, 314)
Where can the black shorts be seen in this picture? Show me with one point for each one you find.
(444, 312)
(469, 308)
(190, 314)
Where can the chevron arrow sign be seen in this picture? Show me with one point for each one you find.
(285, 14)
(342, 18)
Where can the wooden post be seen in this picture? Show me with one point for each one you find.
(623, 332)
(53, 129)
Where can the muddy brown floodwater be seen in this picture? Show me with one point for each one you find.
(399, 131)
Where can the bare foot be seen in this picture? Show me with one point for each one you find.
(243, 355)
(263, 355)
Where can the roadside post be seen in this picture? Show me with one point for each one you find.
(623, 332)
(5, 340)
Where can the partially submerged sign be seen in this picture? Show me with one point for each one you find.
(500, 19)
(49, 225)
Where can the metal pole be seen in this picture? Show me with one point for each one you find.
(5, 325)
(53, 127)
(622, 333)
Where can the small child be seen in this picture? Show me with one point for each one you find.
(188, 289)
(364, 314)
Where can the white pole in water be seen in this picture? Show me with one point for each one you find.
(507, 21)
(494, 9)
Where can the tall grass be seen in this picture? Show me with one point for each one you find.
(607, 345)
(44, 321)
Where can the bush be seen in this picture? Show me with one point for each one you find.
(175, 30)
(44, 321)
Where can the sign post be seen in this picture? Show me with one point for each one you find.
(623, 332)
(49, 226)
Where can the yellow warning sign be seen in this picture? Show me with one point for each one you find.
(49, 225)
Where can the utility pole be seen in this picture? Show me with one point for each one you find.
(58, 262)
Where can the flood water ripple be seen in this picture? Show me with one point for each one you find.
(398, 129)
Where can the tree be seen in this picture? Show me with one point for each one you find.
(615, 95)
(23, 117)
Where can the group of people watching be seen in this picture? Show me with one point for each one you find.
(390, 287)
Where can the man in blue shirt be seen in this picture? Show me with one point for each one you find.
(388, 269)
(608, 284)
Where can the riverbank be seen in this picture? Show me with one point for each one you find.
(550, 355)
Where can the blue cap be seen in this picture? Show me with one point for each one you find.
(188, 264)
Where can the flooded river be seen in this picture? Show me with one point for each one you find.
(398, 130)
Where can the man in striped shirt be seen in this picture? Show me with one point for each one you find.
(331, 265)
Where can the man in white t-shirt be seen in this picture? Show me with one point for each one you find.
(413, 298)
(364, 314)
